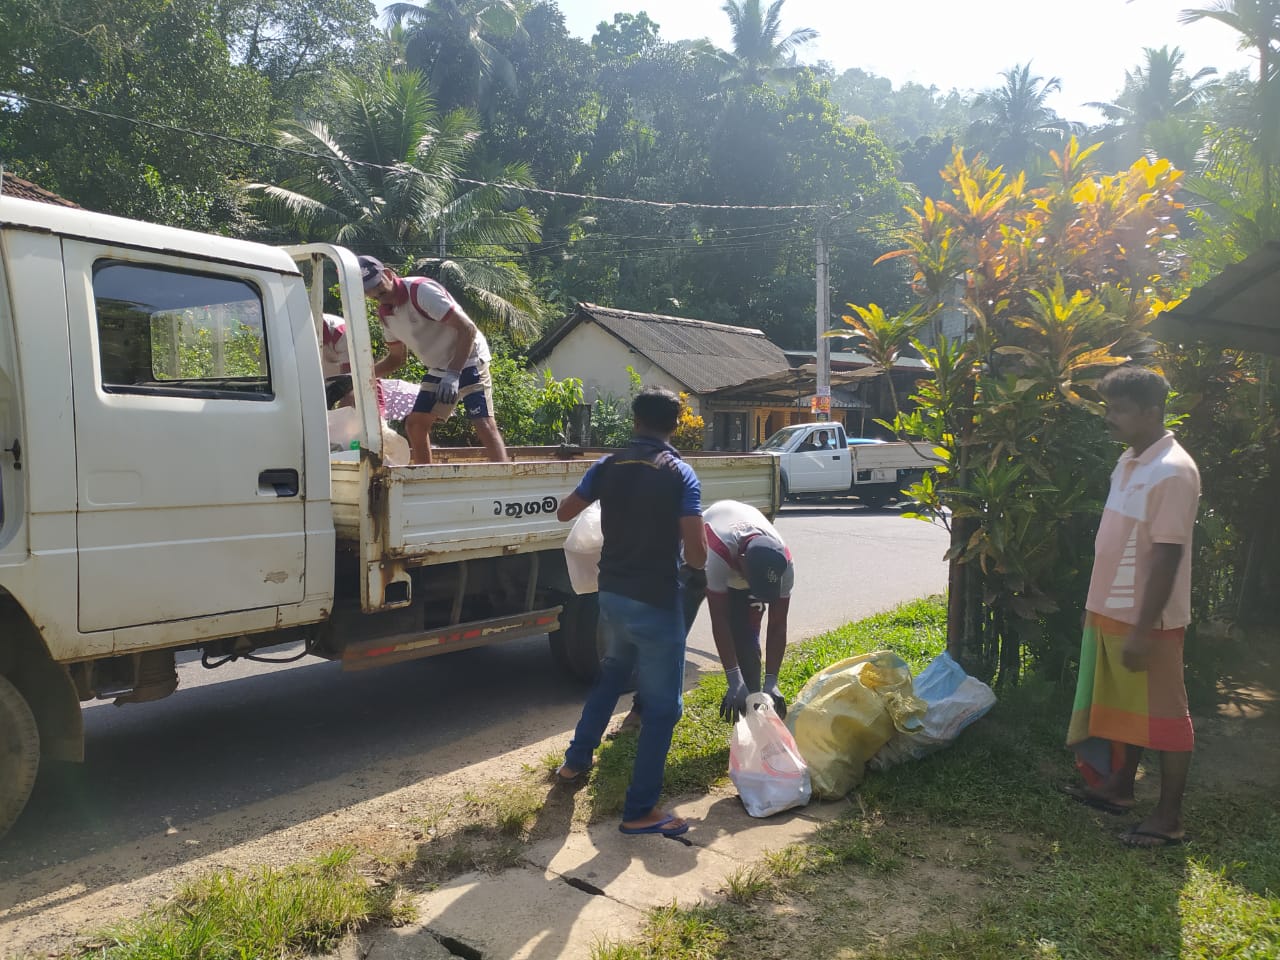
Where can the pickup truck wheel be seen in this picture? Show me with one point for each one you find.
(873, 501)
(19, 754)
(576, 645)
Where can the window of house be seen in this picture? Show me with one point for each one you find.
(174, 332)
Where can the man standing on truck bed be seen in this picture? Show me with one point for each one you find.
(420, 314)
(748, 568)
(650, 507)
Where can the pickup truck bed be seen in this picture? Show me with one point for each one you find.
(463, 509)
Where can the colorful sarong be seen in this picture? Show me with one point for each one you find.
(1115, 706)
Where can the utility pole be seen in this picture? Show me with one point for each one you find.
(822, 357)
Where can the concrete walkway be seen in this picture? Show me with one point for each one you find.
(589, 887)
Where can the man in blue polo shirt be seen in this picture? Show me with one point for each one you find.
(650, 515)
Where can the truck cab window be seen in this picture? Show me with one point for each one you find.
(169, 332)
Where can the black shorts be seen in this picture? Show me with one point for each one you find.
(475, 392)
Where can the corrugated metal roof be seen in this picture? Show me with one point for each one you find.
(11, 186)
(703, 356)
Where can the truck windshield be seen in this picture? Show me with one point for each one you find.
(783, 437)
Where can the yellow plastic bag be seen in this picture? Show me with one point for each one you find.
(847, 712)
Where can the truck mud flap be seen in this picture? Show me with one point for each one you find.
(382, 651)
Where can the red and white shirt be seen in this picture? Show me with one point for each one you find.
(415, 320)
(730, 523)
(334, 360)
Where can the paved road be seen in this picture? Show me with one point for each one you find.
(246, 733)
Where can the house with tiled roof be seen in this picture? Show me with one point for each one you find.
(11, 186)
(742, 384)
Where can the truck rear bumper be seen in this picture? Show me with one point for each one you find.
(399, 648)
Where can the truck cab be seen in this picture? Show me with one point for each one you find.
(168, 483)
(813, 457)
(820, 460)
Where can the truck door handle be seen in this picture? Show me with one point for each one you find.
(281, 482)
(836, 458)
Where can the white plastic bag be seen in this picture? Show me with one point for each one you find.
(764, 762)
(344, 426)
(582, 550)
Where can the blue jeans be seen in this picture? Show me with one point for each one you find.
(648, 641)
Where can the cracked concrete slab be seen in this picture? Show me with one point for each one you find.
(642, 872)
(524, 914)
(722, 825)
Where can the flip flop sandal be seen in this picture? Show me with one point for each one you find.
(1162, 839)
(1080, 795)
(657, 827)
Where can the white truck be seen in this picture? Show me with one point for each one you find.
(167, 484)
(817, 460)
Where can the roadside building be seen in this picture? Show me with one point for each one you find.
(11, 186)
(694, 357)
(742, 384)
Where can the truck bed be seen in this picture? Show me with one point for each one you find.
(897, 455)
(461, 508)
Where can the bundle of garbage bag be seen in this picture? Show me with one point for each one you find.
(868, 708)
(954, 701)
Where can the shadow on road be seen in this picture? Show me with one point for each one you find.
(312, 736)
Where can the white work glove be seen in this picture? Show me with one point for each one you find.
(734, 703)
(771, 688)
(447, 388)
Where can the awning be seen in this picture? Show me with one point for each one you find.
(792, 387)
(1237, 309)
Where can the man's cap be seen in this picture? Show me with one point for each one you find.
(764, 562)
(370, 272)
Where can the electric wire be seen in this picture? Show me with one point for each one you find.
(292, 151)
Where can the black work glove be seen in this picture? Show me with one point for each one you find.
(771, 688)
(734, 703)
(447, 388)
(693, 578)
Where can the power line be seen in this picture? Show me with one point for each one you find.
(243, 142)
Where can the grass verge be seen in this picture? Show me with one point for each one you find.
(301, 910)
(699, 756)
(973, 854)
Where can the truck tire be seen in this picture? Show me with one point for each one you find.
(19, 754)
(576, 645)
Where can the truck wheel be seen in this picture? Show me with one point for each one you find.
(873, 501)
(19, 754)
(576, 645)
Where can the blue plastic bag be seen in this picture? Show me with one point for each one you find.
(954, 701)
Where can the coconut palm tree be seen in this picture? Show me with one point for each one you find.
(1155, 110)
(1015, 122)
(1257, 22)
(452, 42)
(384, 177)
(760, 52)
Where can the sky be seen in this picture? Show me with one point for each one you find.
(1087, 43)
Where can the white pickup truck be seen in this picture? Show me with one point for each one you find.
(817, 460)
(166, 484)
